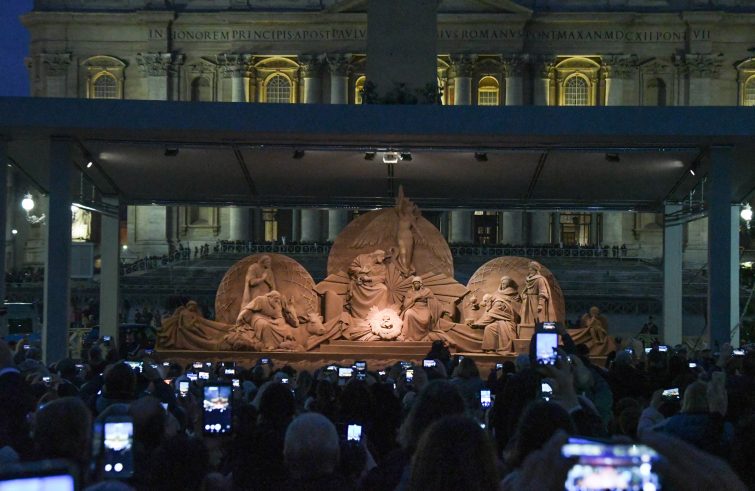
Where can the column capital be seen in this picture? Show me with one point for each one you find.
(514, 64)
(310, 65)
(544, 66)
(619, 66)
(462, 65)
(700, 65)
(233, 64)
(339, 63)
(154, 64)
(55, 63)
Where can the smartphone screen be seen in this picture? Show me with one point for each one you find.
(361, 366)
(546, 391)
(183, 388)
(191, 376)
(428, 363)
(663, 348)
(671, 394)
(346, 372)
(606, 466)
(236, 383)
(57, 482)
(229, 371)
(692, 364)
(118, 454)
(485, 400)
(204, 375)
(136, 366)
(354, 433)
(499, 366)
(264, 361)
(549, 326)
(546, 344)
(738, 352)
(217, 413)
(197, 364)
(410, 376)
(648, 350)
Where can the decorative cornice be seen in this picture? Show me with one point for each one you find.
(463, 65)
(619, 66)
(339, 63)
(514, 64)
(233, 64)
(154, 64)
(310, 65)
(703, 65)
(56, 64)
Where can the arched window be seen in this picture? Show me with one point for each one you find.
(359, 90)
(748, 96)
(201, 90)
(655, 92)
(576, 91)
(105, 87)
(487, 91)
(278, 90)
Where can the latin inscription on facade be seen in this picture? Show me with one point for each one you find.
(444, 34)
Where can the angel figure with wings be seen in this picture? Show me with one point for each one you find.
(403, 228)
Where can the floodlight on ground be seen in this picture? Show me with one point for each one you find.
(27, 203)
(391, 158)
(746, 213)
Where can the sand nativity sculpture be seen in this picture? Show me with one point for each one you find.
(390, 278)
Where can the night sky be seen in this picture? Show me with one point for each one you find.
(14, 47)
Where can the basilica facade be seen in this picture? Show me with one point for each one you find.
(490, 53)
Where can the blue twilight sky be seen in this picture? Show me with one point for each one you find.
(14, 47)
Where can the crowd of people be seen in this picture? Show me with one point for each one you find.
(422, 425)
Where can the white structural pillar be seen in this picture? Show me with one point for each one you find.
(513, 227)
(310, 74)
(734, 272)
(337, 220)
(513, 69)
(311, 225)
(461, 227)
(540, 228)
(339, 78)
(723, 248)
(155, 67)
(542, 74)
(234, 66)
(57, 288)
(613, 228)
(672, 278)
(239, 223)
(109, 271)
(463, 66)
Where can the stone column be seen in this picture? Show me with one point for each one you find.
(295, 225)
(461, 227)
(155, 67)
(233, 66)
(3, 213)
(311, 225)
(174, 77)
(703, 69)
(57, 288)
(613, 228)
(556, 221)
(337, 220)
(463, 67)
(310, 74)
(513, 71)
(543, 74)
(594, 235)
(238, 223)
(109, 270)
(540, 228)
(672, 279)
(56, 73)
(618, 70)
(339, 78)
(723, 247)
(513, 227)
(171, 227)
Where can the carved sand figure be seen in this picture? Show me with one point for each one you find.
(593, 332)
(536, 298)
(259, 279)
(368, 288)
(500, 319)
(187, 329)
(419, 311)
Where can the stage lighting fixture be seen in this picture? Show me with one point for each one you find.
(613, 157)
(171, 151)
(90, 164)
(406, 156)
(481, 156)
(369, 155)
(298, 154)
(390, 158)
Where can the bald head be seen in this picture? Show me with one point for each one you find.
(311, 446)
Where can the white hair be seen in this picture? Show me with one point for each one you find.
(311, 446)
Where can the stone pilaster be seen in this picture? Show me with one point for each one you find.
(155, 67)
(56, 73)
(234, 66)
(513, 71)
(311, 72)
(339, 65)
(618, 71)
(701, 71)
(543, 73)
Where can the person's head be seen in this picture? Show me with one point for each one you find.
(533, 267)
(378, 255)
(192, 306)
(62, 430)
(120, 382)
(467, 369)
(311, 446)
(538, 423)
(506, 282)
(66, 369)
(695, 398)
(182, 462)
(266, 261)
(454, 453)
(416, 282)
(277, 405)
(149, 421)
(439, 398)
(594, 311)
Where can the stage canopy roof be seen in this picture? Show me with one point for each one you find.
(284, 155)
